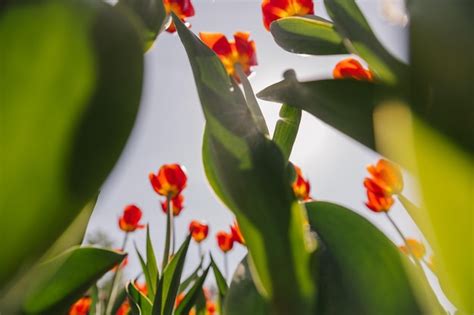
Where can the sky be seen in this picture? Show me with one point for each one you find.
(170, 123)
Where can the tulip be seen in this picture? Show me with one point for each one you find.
(415, 247)
(350, 68)
(236, 234)
(378, 202)
(169, 181)
(198, 230)
(176, 205)
(130, 219)
(301, 186)
(387, 176)
(81, 307)
(181, 8)
(276, 9)
(225, 241)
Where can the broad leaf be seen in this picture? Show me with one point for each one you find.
(192, 295)
(168, 285)
(140, 304)
(359, 270)
(61, 133)
(286, 129)
(67, 277)
(252, 177)
(307, 35)
(243, 297)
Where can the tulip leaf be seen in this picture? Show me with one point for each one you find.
(346, 105)
(352, 25)
(151, 264)
(307, 35)
(140, 304)
(168, 285)
(251, 173)
(243, 297)
(191, 278)
(149, 280)
(359, 270)
(192, 295)
(65, 278)
(87, 64)
(286, 129)
(220, 280)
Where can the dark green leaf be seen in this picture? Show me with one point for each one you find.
(252, 177)
(346, 105)
(306, 35)
(220, 280)
(67, 277)
(141, 305)
(359, 270)
(149, 280)
(168, 285)
(151, 264)
(192, 295)
(286, 129)
(352, 25)
(119, 300)
(191, 278)
(243, 297)
(67, 131)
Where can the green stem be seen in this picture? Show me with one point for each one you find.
(113, 286)
(169, 227)
(226, 267)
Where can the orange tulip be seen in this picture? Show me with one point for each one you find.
(176, 205)
(129, 221)
(387, 176)
(124, 309)
(198, 230)
(81, 307)
(301, 186)
(240, 51)
(350, 68)
(170, 180)
(416, 247)
(236, 234)
(210, 307)
(179, 298)
(141, 287)
(225, 241)
(276, 9)
(182, 8)
(378, 202)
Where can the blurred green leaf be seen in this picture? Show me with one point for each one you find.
(286, 128)
(151, 264)
(94, 294)
(352, 25)
(359, 270)
(243, 297)
(192, 295)
(252, 177)
(307, 35)
(346, 105)
(140, 304)
(168, 285)
(65, 278)
(67, 131)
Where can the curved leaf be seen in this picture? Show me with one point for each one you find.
(192, 295)
(220, 280)
(65, 279)
(307, 35)
(87, 64)
(140, 304)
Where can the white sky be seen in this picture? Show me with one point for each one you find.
(170, 124)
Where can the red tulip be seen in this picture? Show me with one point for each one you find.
(170, 180)
(176, 205)
(129, 221)
(378, 202)
(81, 307)
(301, 186)
(276, 9)
(236, 234)
(240, 51)
(225, 241)
(387, 176)
(350, 68)
(198, 230)
(182, 8)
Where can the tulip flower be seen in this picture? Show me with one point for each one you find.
(387, 176)
(179, 298)
(169, 181)
(176, 205)
(81, 307)
(225, 241)
(124, 308)
(181, 8)
(130, 219)
(276, 9)
(378, 202)
(236, 234)
(210, 307)
(416, 248)
(301, 186)
(141, 287)
(198, 230)
(239, 51)
(350, 68)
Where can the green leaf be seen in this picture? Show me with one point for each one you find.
(191, 278)
(286, 129)
(252, 177)
(151, 264)
(65, 278)
(119, 300)
(307, 35)
(141, 305)
(352, 25)
(192, 295)
(169, 282)
(87, 64)
(152, 16)
(220, 280)
(359, 270)
(346, 105)
(149, 280)
(243, 297)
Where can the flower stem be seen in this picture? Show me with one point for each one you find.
(226, 266)
(410, 251)
(169, 228)
(113, 286)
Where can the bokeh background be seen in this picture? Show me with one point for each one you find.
(170, 124)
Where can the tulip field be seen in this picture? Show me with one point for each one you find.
(62, 134)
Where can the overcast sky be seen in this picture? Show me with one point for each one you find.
(170, 124)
